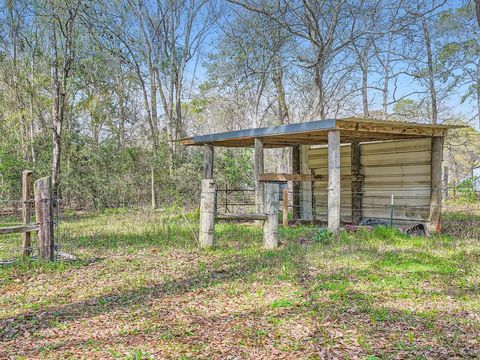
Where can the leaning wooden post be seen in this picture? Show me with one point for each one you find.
(334, 180)
(44, 214)
(436, 185)
(208, 209)
(285, 207)
(26, 210)
(270, 226)
(259, 169)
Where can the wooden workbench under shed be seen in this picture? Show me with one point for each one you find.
(352, 165)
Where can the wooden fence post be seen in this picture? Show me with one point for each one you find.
(270, 226)
(285, 207)
(44, 214)
(26, 210)
(208, 209)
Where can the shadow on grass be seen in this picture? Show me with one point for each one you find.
(239, 267)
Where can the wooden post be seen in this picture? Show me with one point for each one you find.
(44, 214)
(357, 183)
(306, 186)
(296, 186)
(285, 207)
(270, 226)
(334, 180)
(208, 162)
(259, 169)
(436, 185)
(26, 210)
(208, 209)
(314, 210)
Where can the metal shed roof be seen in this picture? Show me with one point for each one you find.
(316, 133)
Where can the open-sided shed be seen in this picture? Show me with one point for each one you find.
(346, 170)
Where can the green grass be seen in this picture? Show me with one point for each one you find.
(143, 289)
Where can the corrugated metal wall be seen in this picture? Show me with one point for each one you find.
(401, 168)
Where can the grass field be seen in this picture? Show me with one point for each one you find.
(142, 289)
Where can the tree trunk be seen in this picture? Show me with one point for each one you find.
(364, 62)
(431, 79)
(319, 107)
(478, 88)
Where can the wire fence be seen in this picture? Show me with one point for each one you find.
(115, 231)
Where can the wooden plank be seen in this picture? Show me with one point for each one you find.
(208, 162)
(270, 225)
(242, 216)
(208, 208)
(44, 217)
(16, 229)
(271, 177)
(418, 157)
(334, 180)
(402, 146)
(26, 211)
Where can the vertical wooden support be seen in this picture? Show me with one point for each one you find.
(208, 162)
(208, 209)
(296, 186)
(314, 209)
(357, 183)
(270, 226)
(26, 210)
(285, 207)
(44, 215)
(259, 169)
(334, 180)
(436, 185)
(306, 186)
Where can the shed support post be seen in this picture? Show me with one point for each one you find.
(285, 207)
(270, 226)
(357, 183)
(436, 185)
(208, 209)
(208, 162)
(306, 186)
(44, 217)
(26, 210)
(296, 186)
(259, 169)
(334, 180)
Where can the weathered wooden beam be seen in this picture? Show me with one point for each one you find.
(208, 209)
(435, 224)
(357, 183)
(259, 169)
(26, 210)
(270, 177)
(296, 186)
(334, 180)
(245, 216)
(208, 161)
(15, 229)
(270, 226)
(44, 217)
